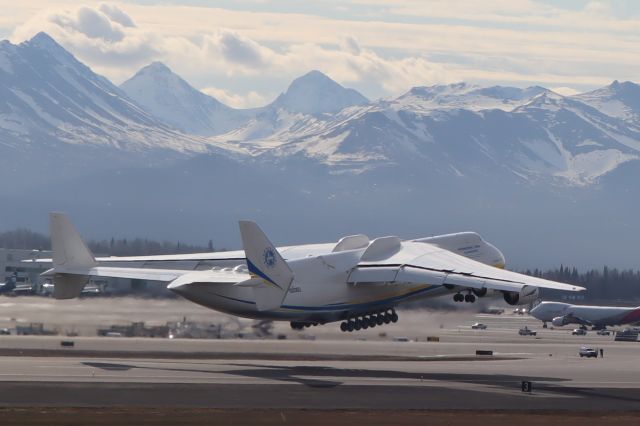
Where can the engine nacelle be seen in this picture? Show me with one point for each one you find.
(559, 321)
(480, 292)
(523, 297)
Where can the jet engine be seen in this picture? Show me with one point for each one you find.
(482, 292)
(523, 297)
(560, 321)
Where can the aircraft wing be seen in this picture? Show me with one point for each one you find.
(239, 256)
(414, 263)
(164, 275)
(573, 319)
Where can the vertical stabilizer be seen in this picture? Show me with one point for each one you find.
(265, 263)
(69, 250)
(71, 256)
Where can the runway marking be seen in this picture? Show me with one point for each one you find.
(347, 381)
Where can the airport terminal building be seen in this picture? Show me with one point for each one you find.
(12, 262)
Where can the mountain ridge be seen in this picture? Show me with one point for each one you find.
(171, 99)
(540, 174)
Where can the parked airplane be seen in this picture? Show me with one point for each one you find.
(358, 282)
(10, 284)
(560, 314)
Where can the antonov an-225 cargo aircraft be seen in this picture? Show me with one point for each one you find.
(355, 281)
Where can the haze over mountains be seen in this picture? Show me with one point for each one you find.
(548, 178)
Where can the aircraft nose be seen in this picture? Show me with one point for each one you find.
(535, 310)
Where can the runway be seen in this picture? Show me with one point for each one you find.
(561, 382)
(321, 369)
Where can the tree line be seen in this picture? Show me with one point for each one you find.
(606, 284)
(29, 240)
(622, 285)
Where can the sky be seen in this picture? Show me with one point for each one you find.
(245, 53)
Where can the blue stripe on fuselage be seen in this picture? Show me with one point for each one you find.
(343, 307)
(254, 270)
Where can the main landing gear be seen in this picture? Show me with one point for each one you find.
(369, 320)
(300, 325)
(459, 297)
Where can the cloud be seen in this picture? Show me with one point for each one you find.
(92, 23)
(105, 36)
(250, 100)
(240, 50)
(565, 91)
(595, 16)
(117, 15)
(351, 45)
(363, 66)
(384, 51)
(598, 8)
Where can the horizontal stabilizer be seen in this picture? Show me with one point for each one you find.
(117, 272)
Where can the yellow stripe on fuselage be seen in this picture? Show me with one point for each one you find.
(374, 298)
(254, 276)
(390, 295)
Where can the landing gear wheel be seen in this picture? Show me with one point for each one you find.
(394, 317)
(297, 325)
(358, 324)
(458, 297)
(372, 322)
(350, 326)
(379, 319)
(343, 326)
(386, 319)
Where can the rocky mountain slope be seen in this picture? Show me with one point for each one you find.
(541, 175)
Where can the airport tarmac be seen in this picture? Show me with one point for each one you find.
(337, 391)
(324, 369)
(312, 374)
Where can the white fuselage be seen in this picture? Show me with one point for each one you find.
(323, 295)
(320, 291)
(357, 279)
(581, 314)
(318, 294)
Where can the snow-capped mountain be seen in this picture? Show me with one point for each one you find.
(460, 130)
(318, 162)
(619, 100)
(309, 102)
(48, 97)
(464, 131)
(465, 96)
(172, 100)
(315, 93)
